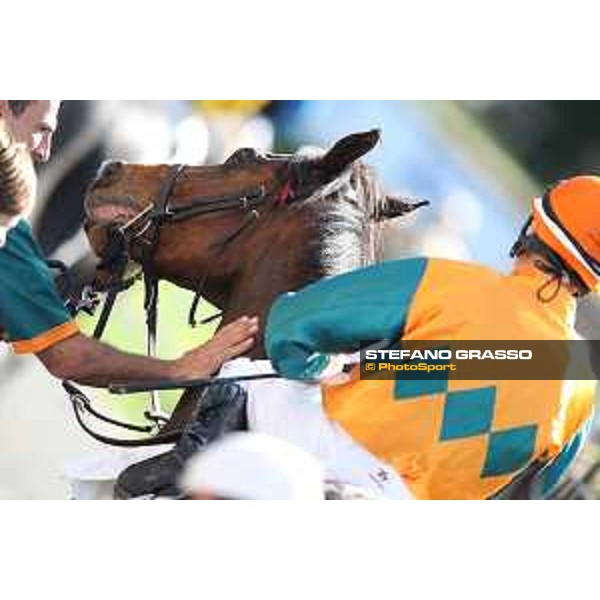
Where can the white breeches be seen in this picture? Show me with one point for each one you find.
(293, 411)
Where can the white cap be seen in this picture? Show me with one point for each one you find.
(254, 466)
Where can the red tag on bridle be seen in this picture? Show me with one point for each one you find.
(285, 194)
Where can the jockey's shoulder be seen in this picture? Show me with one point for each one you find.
(451, 271)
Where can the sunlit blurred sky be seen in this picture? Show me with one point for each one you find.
(415, 158)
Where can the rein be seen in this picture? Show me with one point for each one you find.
(145, 228)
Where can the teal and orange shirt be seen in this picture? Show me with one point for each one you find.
(32, 314)
(447, 438)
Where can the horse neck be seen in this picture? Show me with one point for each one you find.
(275, 264)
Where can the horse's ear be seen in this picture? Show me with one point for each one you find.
(398, 207)
(317, 171)
(347, 150)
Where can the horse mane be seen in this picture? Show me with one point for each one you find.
(345, 219)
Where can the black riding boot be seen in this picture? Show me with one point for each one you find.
(221, 408)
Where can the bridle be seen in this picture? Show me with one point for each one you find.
(144, 230)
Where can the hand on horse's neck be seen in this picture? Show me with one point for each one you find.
(269, 271)
(254, 302)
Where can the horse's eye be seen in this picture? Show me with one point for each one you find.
(243, 156)
(108, 173)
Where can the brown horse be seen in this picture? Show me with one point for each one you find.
(243, 232)
(318, 215)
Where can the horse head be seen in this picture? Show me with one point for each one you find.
(244, 231)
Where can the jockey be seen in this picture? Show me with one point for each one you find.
(424, 439)
(533, 429)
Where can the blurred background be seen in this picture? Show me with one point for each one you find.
(478, 162)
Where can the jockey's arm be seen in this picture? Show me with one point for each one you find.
(90, 362)
(340, 314)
